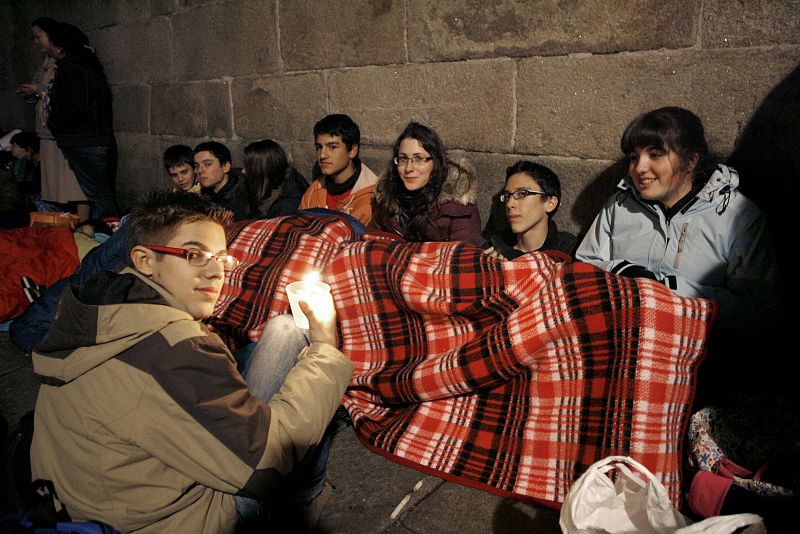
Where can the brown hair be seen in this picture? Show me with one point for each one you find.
(155, 219)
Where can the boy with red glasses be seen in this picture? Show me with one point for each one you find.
(143, 421)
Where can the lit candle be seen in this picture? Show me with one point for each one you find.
(317, 294)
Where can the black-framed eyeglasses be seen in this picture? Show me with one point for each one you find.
(402, 161)
(197, 257)
(519, 194)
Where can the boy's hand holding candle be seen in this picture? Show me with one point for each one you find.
(321, 329)
(312, 307)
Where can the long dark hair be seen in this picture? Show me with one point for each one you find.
(417, 206)
(75, 44)
(676, 129)
(70, 38)
(47, 25)
(266, 168)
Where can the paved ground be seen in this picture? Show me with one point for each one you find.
(368, 488)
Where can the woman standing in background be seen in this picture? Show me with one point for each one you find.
(79, 116)
(59, 184)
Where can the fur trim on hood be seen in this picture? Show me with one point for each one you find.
(460, 185)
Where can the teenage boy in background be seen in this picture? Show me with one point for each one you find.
(342, 182)
(220, 182)
(179, 164)
(531, 197)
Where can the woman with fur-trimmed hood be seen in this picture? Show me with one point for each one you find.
(423, 195)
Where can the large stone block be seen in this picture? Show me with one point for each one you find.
(284, 107)
(315, 35)
(59, 10)
(178, 109)
(136, 53)
(580, 106)
(470, 104)
(88, 14)
(192, 3)
(230, 39)
(131, 108)
(462, 29)
(376, 158)
(218, 109)
(118, 12)
(140, 167)
(751, 23)
(162, 7)
(6, 45)
(302, 155)
(14, 113)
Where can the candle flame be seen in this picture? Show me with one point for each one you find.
(313, 276)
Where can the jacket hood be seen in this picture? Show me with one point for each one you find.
(94, 323)
(460, 185)
(724, 181)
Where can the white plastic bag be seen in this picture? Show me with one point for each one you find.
(597, 504)
(634, 502)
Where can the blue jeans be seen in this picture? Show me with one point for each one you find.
(270, 362)
(94, 168)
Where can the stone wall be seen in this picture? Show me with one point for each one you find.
(551, 80)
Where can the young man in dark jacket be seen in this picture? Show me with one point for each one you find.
(143, 422)
(220, 182)
(531, 197)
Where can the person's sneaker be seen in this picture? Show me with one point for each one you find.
(31, 289)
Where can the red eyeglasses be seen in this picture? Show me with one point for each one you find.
(197, 257)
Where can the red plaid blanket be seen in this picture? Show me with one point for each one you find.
(510, 376)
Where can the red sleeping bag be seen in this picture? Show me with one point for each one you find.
(45, 255)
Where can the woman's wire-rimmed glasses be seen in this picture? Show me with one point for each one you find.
(402, 161)
(197, 257)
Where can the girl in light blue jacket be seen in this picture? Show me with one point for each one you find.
(678, 218)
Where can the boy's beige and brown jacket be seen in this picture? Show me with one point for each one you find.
(143, 422)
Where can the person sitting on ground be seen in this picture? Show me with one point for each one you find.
(164, 434)
(342, 182)
(679, 219)
(220, 182)
(274, 187)
(25, 149)
(179, 164)
(423, 195)
(531, 197)
(13, 213)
